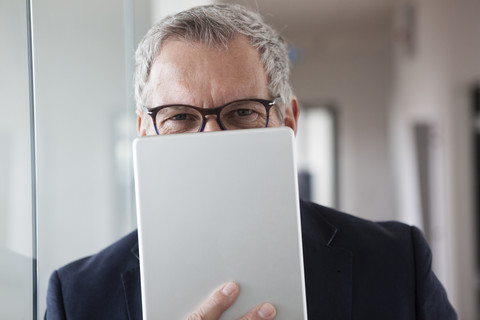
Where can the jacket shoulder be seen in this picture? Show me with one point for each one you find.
(98, 277)
(94, 287)
(350, 231)
(116, 257)
(391, 262)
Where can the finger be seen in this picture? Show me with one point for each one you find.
(219, 301)
(261, 312)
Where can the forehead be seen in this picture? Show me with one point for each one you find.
(192, 72)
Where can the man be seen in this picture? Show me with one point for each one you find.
(198, 63)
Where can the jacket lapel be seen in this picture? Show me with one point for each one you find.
(131, 286)
(328, 269)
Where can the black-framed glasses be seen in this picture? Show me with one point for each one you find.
(238, 114)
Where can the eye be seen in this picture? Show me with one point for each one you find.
(243, 112)
(181, 116)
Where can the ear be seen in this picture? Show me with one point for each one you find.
(141, 124)
(292, 112)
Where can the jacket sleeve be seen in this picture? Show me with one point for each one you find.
(431, 298)
(55, 305)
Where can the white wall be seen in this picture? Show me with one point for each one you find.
(431, 86)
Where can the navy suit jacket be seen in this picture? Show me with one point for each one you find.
(354, 269)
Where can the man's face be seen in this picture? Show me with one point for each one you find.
(198, 75)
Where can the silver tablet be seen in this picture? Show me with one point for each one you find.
(217, 207)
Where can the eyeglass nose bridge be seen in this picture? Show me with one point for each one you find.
(211, 111)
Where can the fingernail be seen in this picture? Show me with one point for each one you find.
(266, 311)
(229, 289)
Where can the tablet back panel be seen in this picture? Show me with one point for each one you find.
(216, 207)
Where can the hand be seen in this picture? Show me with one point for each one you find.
(222, 298)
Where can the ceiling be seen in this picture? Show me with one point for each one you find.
(293, 17)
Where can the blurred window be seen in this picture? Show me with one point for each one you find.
(317, 155)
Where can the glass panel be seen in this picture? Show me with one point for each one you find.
(85, 123)
(16, 285)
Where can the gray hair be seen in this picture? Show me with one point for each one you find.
(216, 25)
